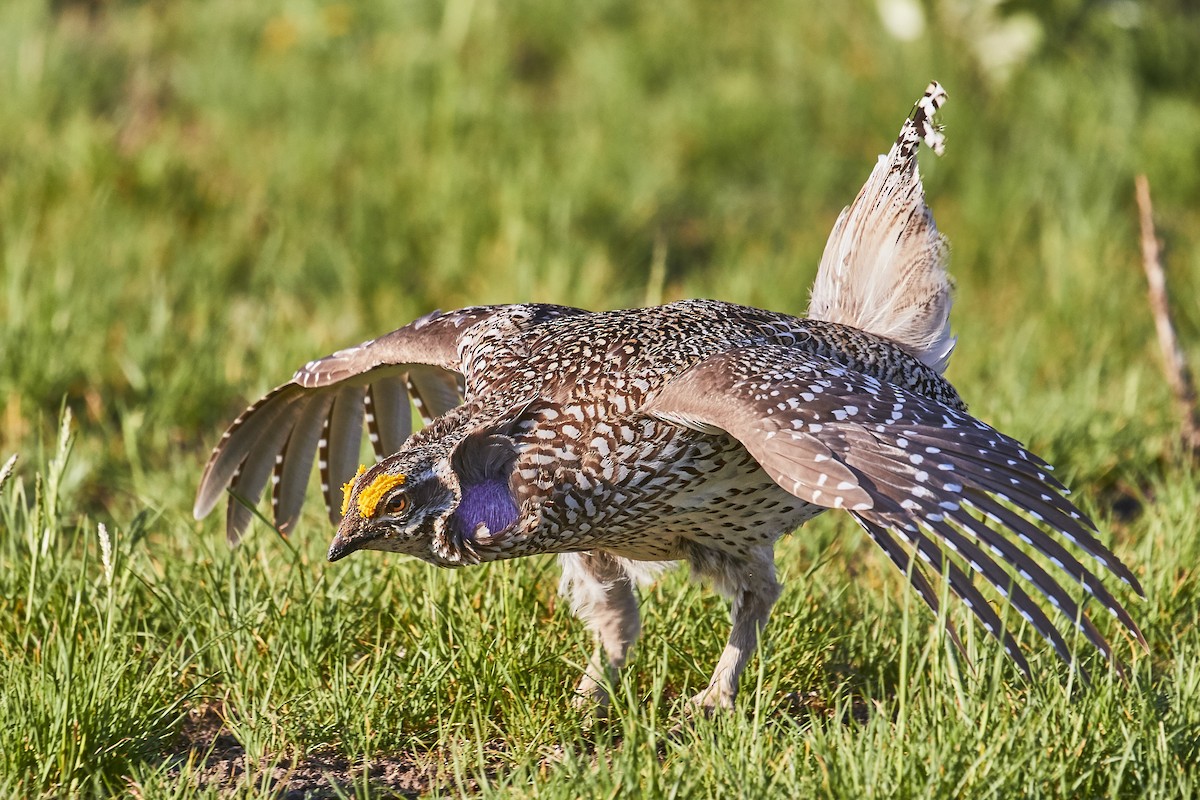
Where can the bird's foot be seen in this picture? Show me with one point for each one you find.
(591, 696)
(713, 700)
(710, 703)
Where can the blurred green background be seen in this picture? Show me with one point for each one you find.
(197, 197)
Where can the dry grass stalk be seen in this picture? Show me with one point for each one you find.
(1174, 363)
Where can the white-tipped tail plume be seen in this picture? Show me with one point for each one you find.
(884, 266)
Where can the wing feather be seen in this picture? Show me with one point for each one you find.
(434, 391)
(340, 446)
(393, 414)
(961, 585)
(238, 441)
(916, 577)
(932, 516)
(253, 473)
(322, 409)
(296, 467)
(910, 465)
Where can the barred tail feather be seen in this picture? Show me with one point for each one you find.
(884, 266)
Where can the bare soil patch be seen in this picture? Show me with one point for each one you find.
(219, 761)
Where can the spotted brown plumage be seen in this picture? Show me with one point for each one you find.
(698, 431)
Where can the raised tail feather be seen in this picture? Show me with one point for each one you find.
(884, 266)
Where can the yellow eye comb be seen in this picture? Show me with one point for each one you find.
(348, 488)
(370, 495)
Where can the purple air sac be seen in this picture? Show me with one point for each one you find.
(488, 502)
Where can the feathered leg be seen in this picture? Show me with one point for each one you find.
(601, 594)
(751, 586)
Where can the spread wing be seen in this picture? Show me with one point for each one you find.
(906, 467)
(320, 413)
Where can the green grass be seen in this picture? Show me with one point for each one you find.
(197, 197)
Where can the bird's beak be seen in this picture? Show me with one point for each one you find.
(344, 543)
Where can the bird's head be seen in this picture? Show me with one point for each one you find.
(430, 504)
(398, 505)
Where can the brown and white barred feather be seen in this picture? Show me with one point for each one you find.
(884, 267)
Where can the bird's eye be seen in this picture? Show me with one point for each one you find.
(397, 504)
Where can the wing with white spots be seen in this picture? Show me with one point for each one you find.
(910, 467)
(320, 413)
